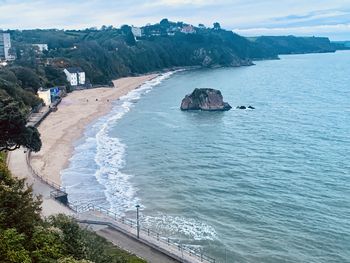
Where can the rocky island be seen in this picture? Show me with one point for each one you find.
(206, 100)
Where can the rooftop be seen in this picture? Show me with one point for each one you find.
(75, 70)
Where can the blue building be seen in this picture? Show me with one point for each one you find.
(55, 93)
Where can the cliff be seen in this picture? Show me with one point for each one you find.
(294, 45)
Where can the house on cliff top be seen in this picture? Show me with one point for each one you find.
(188, 29)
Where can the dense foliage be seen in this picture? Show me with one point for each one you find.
(26, 238)
(11, 85)
(110, 53)
(14, 132)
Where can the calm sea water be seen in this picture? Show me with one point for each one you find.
(264, 185)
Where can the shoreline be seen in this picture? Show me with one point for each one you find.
(61, 129)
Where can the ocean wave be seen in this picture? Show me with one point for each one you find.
(102, 178)
(180, 227)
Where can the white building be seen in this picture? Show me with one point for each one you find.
(75, 76)
(5, 47)
(188, 29)
(136, 31)
(45, 95)
(41, 47)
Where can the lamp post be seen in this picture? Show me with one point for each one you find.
(138, 221)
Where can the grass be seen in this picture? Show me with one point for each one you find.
(111, 252)
(117, 252)
(3, 157)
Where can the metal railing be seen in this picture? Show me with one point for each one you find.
(59, 191)
(44, 114)
(146, 231)
(55, 186)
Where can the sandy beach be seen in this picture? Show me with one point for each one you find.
(62, 128)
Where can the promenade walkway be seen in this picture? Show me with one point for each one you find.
(153, 241)
(129, 244)
(36, 118)
(17, 164)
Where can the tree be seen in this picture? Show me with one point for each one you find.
(13, 130)
(28, 78)
(55, 76)
(217, 26)
(8, 75)
(125, 29)
(23, 97)
(12, 248)
(164, 22)
(72, 236)
(46, 244)
(18, 207)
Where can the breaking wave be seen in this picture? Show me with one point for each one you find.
(100, 182)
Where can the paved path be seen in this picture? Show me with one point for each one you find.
(147, 240)
(37, 117)
(124, 242)
(18, 166)
(133, 246)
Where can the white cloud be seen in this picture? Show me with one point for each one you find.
(247, 16)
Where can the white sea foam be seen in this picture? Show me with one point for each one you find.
(119, 192)
(180, 227)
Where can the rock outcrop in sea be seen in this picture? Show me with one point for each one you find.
(244, 107)
(206, 100)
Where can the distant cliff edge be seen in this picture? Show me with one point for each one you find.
(283, 45)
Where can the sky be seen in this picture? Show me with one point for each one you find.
(329, 18)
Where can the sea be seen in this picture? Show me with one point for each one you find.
(267, 185)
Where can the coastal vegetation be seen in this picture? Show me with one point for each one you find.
(25, 237)
(109, 53)
(14, 132)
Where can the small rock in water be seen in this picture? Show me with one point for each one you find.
(206, 100)
(241, 107)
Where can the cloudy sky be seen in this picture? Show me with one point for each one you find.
(247, 17)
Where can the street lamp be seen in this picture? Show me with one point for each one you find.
(138, 221)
